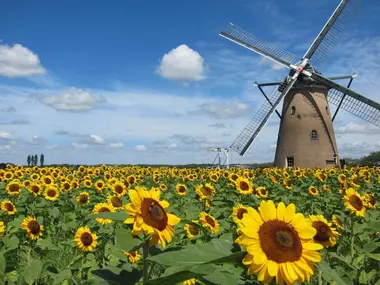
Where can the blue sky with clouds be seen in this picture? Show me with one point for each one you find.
(133, 82)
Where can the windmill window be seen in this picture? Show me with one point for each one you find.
(293, 110)
(314, 135)
(290, 161)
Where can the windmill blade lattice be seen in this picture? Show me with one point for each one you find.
(354, 106)
(249, 133)
(249, 41)
(332, 31)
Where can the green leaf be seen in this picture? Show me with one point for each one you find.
(61, 276)
(333, 255)
(32, 271)
(116, 275)
(3, 264)
(55, 212)
(46, 244)
(329, 274)
(375, 256)
(374, 226)
(370, 246)
(11, 242)
(125, 241)
(196, 254)
(114, 216)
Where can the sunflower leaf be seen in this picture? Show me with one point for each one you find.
(32, 271)
(3, 264)
(210, 252)
(329, 274)
(114, 216)
(126, 241)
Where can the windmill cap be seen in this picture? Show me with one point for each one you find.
(354, 75)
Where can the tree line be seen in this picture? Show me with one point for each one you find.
(32, 160)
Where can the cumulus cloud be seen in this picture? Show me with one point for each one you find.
(72, 99)
(92, 140)
(80, 145)
(218, 126)
(116, 145)
(353, 128)
(163, 144)
(5, 135)
(140, 148)
(222, 109)
(182, 64)
(19, 61)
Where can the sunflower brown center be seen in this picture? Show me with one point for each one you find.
(35, 189)
(206, 191)
(193, 230)
(132, 253)
(99, 184)
(14, 187)
(9, 207)
(34, 227)
(83, 198)
(104, 209)
(280, 241)
(234, 177)
(181, 189)
(51, 193)
(118, 189)
(372, 200)
(116, 202)
(47, 180)
(210, 221)
(263, 192)
(323, 231)
(66, 186)
(240, 213)
(86, 239)
(153, 214)
(356, 202)
(244, 186)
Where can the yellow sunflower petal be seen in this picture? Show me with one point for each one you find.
(268, 210)
(280, 211)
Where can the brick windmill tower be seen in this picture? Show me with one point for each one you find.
(306, 135)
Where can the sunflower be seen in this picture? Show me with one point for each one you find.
(370, 201)
(313, 191)
(47, 180)
(326, 234)
(33, 228)
(321, 176)
(262, 192)
(205, 191)
(35, 188)
(8, 175)
(13, 188)
(133, 256)
(85, 239)
(65, 186)
(337, 222)
(209, 222)
(191, 281)
(103, 207)
(287, 183)
(83, 198)
(181, 189)
(342, 179)
(7, 207)
(148, 215)
(243, 186)
(115, 201)
(274, 179)
(354, 202)
(2, 229)
(163, 187)
(87, 183)
(119, 188)
(279, 243)
(238, 213)
(51, 193)
(191, 229)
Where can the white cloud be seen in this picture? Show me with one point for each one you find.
(5, 147)
(223, 109)
(5, 135)
(80, 145)
(140, 148)
(352, 128)
(72, 99)
(18, 61)
(182, 64)
(116, 145)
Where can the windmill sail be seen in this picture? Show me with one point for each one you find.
(249, 133)
(353, 102)
(332, 31)
(249, 41)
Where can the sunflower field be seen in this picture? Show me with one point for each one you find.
(143, 225)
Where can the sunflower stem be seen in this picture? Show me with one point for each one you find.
(352, 238)
(145, 262)
(320, 277)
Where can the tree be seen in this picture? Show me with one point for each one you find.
(371, 159)
(35, 159)
(28, 160)
(42, 159)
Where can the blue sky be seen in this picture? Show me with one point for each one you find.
(134, 82)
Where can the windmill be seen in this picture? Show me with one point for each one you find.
(306, 135)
